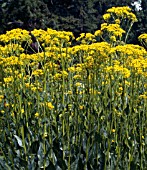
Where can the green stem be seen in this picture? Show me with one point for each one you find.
(128, 31)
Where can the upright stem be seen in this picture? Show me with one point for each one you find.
(128, 31)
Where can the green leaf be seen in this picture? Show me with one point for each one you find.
(3, 164)
(19, 140)
(4, 5)
(74, 164)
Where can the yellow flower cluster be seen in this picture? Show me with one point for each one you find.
(98, 51)
(100, 80)
(115, 18)
(15, 35)
(8, 80)
(121, 12)
(52, 37)
(49, 105)
(11, 49)
(37, 72)
(113, 29)
(86, 38)
(10, 61)
(143, 37)
(59, 61)
(118, 69)
(127, 51)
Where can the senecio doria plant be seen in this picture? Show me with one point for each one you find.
(116, 20)
(71, 106)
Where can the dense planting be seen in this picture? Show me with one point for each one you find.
(69, 106)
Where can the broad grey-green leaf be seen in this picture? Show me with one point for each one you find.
(19, 140)
(4, 164)
(4, 5)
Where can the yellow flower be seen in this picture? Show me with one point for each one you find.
(79, 69)
(120, 88)
(36, 114)
(123, 12)
(78, 84)
(127, 83)
(143, 96)
(38, 72)
(69, 92)
(106, 16)
(57, 76)
(77, 76)
(104, 26)
(86, 38)
(81, 107)
(114, 29)
(143, 38)
(113, 38)
(117, 21)
(1, 97)
(89, 36)
(29, 103)
(113, 130)
(64, 73)
(49, 105)
(71, 69)
(2, 111)
(22, 110)
(8, 79)
(126, 73)
(142, 137)
(98, 33)
(98, 92)
(6, 104)
(33, 88)
(27, 85)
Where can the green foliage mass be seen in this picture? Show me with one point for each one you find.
(67, 107)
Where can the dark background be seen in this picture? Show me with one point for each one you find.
(69, 15)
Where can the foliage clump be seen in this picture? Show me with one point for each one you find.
(69, 106)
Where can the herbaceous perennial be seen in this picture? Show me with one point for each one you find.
(71, 106)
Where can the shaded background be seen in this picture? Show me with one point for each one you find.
(69, 15)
